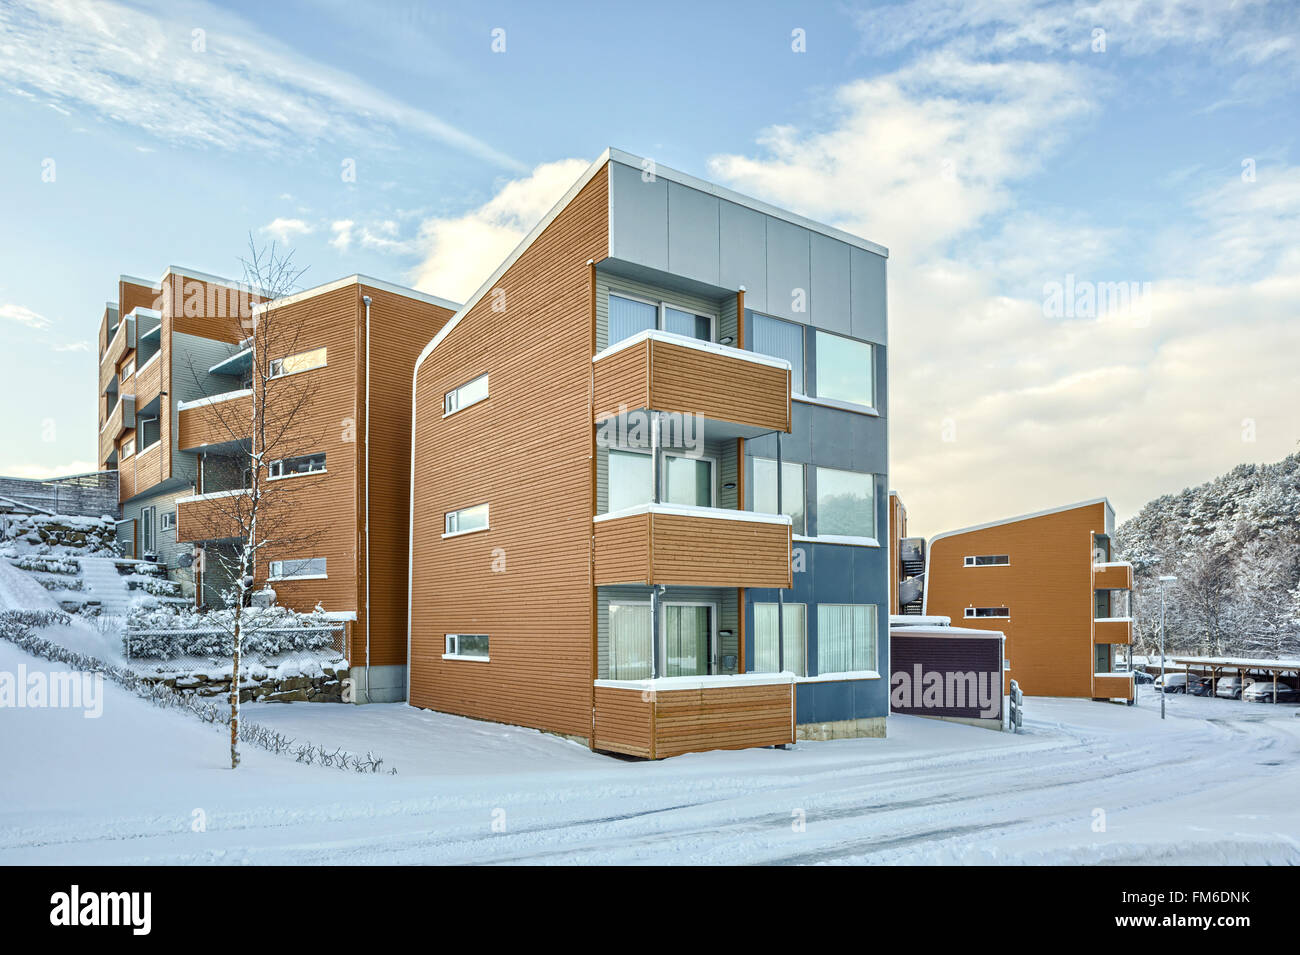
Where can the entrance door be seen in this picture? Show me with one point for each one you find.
(690, 642)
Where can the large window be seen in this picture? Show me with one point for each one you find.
(291, 467)
(763, 495)
(467, 394)
(303, 361)
(781, 340)
(147, 538)
(466, 646)
(628, 316)
(629, 641)
(686, 481)
(688, 638)
(846, 637)
(794, 641)
(846, 503)
(300, 568)
(466, 519)
(845, 370)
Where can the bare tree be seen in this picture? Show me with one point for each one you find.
(1266, 607)
(1205, 583)
(261, 434)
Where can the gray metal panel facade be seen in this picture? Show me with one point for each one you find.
(867, 296)
(639, 218)
(788, 277)
(830, 284)
(743, 258)
(692, 233)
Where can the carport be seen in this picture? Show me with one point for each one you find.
(1242, 667)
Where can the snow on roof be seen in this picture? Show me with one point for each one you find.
(916, 620)
(1245, 663)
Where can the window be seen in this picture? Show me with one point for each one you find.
(763, 499)
(467, 394)
(629, 641)
(972, 612)
(150, 432)
(147, 536)
(846, 637)
(303, 361)
(688, 638)
(629, 316)
(466, 646)
(846, 503)
(794, 641)
(686, 480)
(167, 522)
(302, 568)
(988, 560)
(128, 447)
(466, 520)
(128, 369)
(291, 467)
(781, 340)
(845, 369)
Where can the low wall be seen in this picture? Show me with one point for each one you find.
(259, 683)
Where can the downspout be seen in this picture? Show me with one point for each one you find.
(366, 300)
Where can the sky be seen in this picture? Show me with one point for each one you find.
(1092, 209)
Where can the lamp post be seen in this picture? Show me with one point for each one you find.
(1163, 581)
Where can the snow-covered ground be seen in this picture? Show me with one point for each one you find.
(1087, 782)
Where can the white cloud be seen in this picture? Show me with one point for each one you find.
(342, 229)
(284, 230)
(72, 347)
(460, 252)
(23, 316)
(238, 88)
(40, 472)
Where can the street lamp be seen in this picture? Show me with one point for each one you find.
(1163, 581)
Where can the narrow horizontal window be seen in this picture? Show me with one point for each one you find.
(973, 612)
(467, 519)
(468, 646)
(303, 361)
(467, 394)
(302, 567)
(303, 464)
(988, 560)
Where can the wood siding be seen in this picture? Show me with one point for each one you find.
(679, 550)
(623, 722)
(672, 722)
(1047, 586)
(677, 378)
(527, 452)
(1113, 631)
(1113, 688)
(1113, 578)
(213, 423)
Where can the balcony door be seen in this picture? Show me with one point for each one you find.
(689, 638)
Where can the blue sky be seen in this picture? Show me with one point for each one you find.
(999, 148)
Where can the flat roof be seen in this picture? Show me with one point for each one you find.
(358, 279)
(1243, 663)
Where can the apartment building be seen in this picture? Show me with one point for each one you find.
(1047, 580)
(177, 373)
(649, 477)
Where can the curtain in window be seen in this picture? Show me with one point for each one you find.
(629, 641)
(766, 638)
(628, 316)
(686, 640)
(846, 637)
(781, 340)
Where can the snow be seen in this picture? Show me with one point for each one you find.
(1213, 784)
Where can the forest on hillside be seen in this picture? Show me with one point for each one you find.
(1234, 545)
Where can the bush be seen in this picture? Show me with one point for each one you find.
(166, 632)
(47, 565)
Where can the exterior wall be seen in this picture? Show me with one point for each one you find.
(1047, 587)
(527, 451)
(897, 531)
(170, 551)
(726, 599)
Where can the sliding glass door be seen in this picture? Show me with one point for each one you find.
(688, 639)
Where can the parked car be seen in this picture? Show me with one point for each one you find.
(1230, 687)
(1172, 683)
(1142, 676)
(1200, 686)
(1261, 691)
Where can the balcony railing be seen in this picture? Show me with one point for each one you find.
(1115, 575)
(692, 547)
(123, 341)
(208, 516)
(1112, 686)
(1113, 630)
(220, 419)
(661, 371)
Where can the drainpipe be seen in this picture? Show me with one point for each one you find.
(780, 593)
(655, 590)
(366, 300)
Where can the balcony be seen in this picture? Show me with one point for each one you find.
(654, 719)
(661, 371)
(120, 420)
(221, 419)
(1113, 630)
(1112, 686)
(209, 516)
(692, 547)
(123, 340)
(1117, 575)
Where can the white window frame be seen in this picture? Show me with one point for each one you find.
(714, 465)
(609, 637)
(971, 560)
(451, 648)
(122, 451)
(275, 569)
(873, 615)
(660, 304)
(148, 529)
(714, 652)
(167, 520)
(803, 468)
(275, 469)
(123, 373)
(446, 521)
(275, 368)
(780, 610)
(970, 614)
(817, 349)
(447, 399)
